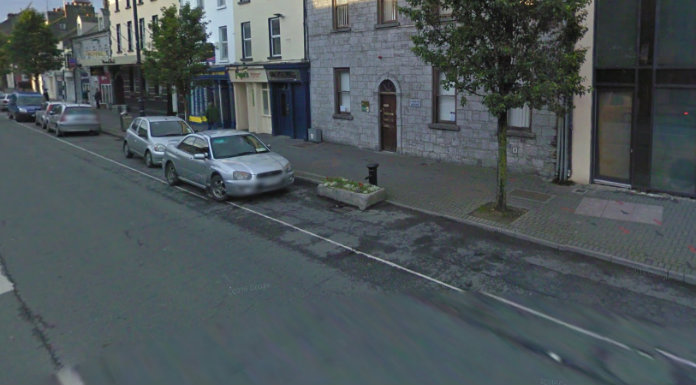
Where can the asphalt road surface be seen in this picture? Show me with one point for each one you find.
(111, 276)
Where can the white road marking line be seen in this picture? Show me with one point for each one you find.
(677, 358)
(68, 376)
(518, 306)
(5, 284)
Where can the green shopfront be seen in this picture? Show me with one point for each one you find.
(644, 131)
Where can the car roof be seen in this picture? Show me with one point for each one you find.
(76, 105)
(220, 133)
(28, 93)
(160, 118)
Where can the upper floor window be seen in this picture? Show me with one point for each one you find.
(221, 3)
(520, 118)
(274, 36)
(246, 40)
(387, 11)
(116, 4)
(62, 26)
(445, 100)
(128, 4)
(222, 32)
(142, 33)
(199, 3)
(118, 38)
(340, 14)
(130, 36)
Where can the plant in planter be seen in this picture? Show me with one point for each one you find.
(362, 195)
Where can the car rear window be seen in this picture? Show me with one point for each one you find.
(79, 111)
(170, 128)
(30, 100)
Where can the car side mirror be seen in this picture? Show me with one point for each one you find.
(199, 156)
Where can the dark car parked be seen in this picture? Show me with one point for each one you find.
(23, 105)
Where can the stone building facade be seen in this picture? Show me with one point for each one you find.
(370, 41)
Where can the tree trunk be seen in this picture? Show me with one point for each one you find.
(500, 196)
(36, 81)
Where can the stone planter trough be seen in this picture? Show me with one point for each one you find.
(362, 201)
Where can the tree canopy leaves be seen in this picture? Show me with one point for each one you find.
(180, 48)
(32, 46)
(511, 53)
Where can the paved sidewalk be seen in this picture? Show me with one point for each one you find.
(652, 233)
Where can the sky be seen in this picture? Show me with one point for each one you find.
(15, 6)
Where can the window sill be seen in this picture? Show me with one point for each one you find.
(343, 116)
(243, 1)
(443, 126)
(223, 7)
(246, 59)
(390, 24)
(274, 57)
(118, 10)
(340, 30)
(128, 7)
(520, 133)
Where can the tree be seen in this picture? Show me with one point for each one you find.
(511, 53)
(32, 46)
(179, 49)
(4, 55)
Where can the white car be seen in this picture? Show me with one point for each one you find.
(148, 136)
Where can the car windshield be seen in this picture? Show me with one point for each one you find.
(79, 111)
(170, 128)
(30, 100)
(236, 145)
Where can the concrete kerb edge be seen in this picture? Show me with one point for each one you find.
(664, 273)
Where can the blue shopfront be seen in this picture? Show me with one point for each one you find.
(289, 84)
(215, 87)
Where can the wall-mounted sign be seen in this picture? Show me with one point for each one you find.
(283, 75)
(248, 75)
(414, 103)
(365, 106)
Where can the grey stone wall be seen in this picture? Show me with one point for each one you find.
(375, 54)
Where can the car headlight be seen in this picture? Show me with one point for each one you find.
(159, 147)
(241, 175)
(288, 167)
(23, 110)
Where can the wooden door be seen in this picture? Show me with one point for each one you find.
(387, 121)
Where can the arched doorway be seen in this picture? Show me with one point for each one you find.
(387, 115)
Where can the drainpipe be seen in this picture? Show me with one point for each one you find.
(564, 127)
(304, 27)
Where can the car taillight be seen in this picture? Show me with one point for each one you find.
(63, 118)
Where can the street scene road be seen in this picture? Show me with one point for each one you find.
(111, 276)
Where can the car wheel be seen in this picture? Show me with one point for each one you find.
(36, 122)
(126, 150)
(217, 188)
(57, 131)
(170, 174)
(148, 159)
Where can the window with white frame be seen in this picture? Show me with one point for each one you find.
(246, 40)
(445, 103)
(520, 118)
(341, 19)
(388, 11)
(221, 3)
(342, 87)
(266, 99)
(199, 3)
(274, 36)
(222, 39)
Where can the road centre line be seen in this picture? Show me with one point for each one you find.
(502, 300)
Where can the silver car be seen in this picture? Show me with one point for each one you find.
(42, 114)
(65, 118)
(227, 163)
(148, 136)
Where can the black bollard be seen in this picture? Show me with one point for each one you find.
(372, 173)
